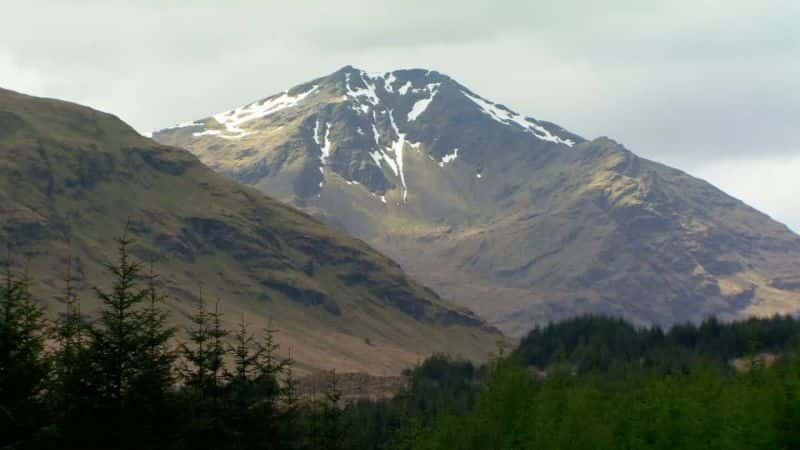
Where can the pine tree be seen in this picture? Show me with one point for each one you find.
(290, 405)
(71, 371)
(22, 364)
(331, 431)
(118, 340)
(204, 373)
(205, 353)
(154, 387)
(195, 352)
(289, 389)
(246, 354)
(269, 364)
(217, 351)
(254, 393)
(128, 353)
(70, 328)
(158, 356)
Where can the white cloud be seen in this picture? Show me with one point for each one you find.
(688, 82)
(771, 184)
(18, 78)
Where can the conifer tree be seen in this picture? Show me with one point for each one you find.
(128, 353)
(255, 391)
(70, 328)
(331, 433)
(217, 351)
(118, 340)
(205, 353)
(71, 371)
(204, 374)
(195, 353)
(22, 365)
(158, 356)
(269, 364)
(246, 354)
(290, 404)
(155, 385)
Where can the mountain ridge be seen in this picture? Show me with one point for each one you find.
(481, 202)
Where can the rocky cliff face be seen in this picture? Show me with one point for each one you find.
(515, 217)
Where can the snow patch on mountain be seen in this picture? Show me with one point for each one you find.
(375, 134)
(388, 82)
(508, 117)
(421, 105)
(367, 91)
(316, 133)
(208, 133)
(233, 119)
(397, 148)
(326, 148)
(393, 154)
(381, 155)
(450, 157)
(404, 88)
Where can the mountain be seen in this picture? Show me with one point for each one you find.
(70, 178)
(516, 218)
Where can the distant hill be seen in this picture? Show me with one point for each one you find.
(70, 178)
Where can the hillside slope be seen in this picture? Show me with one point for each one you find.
(514, 217)
(70, 178)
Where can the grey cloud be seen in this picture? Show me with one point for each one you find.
(690, 83)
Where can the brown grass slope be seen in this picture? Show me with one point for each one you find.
(70, 178)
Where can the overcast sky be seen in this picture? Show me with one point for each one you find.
(709, 86)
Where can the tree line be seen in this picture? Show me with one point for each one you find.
(597, 382)
(124, 380)
(596, 343)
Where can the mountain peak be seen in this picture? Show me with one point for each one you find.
(414, 72)
(364, 127)
(481, 201)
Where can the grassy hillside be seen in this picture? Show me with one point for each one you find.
(72, 177)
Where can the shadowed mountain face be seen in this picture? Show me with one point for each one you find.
(70, 177)
(514, 217)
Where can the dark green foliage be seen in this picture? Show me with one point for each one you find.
(114, 382)
(205, 353)
(22, 364)
(440, 385)
(113, 376)
(600, 383)
(597, 382)
(597, 343)
(124, 336)
(236, 409)
(329, 432)
(204, 377)
(72, 392)
(628, 408)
